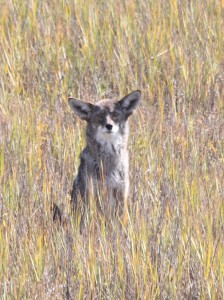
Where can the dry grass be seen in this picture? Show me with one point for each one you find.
(172, 246)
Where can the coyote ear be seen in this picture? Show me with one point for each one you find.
(81, 108)
(130, 102)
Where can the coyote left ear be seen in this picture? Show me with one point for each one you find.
(81, 108)
(130, 102)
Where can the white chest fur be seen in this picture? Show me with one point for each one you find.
(111, 142)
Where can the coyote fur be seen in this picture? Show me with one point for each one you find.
(104, 163)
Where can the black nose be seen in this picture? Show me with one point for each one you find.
(109, 126)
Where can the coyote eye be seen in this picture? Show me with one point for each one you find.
(115, 115)
(100, 117)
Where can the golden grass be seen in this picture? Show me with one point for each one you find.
(172, 245)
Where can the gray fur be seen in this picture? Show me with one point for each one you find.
(104, 163)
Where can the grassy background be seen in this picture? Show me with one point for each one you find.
(172, 246)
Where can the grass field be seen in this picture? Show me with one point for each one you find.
(172, 245)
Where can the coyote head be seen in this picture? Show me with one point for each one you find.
(107, 119)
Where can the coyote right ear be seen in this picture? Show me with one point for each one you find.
(81, 108)
(130, 102)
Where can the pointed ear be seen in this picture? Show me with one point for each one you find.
(81, 108)
(130, 102)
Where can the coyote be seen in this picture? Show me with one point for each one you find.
(104, 168)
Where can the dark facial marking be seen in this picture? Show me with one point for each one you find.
(99, 115)
(119, 113)
(116, 115)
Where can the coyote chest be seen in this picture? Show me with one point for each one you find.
(110, 164)
(104, 162)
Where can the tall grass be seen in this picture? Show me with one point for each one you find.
(172, 245)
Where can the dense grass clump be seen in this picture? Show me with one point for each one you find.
(172, 243)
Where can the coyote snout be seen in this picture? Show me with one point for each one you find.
(104, 162)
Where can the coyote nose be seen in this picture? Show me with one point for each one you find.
(109, 126)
